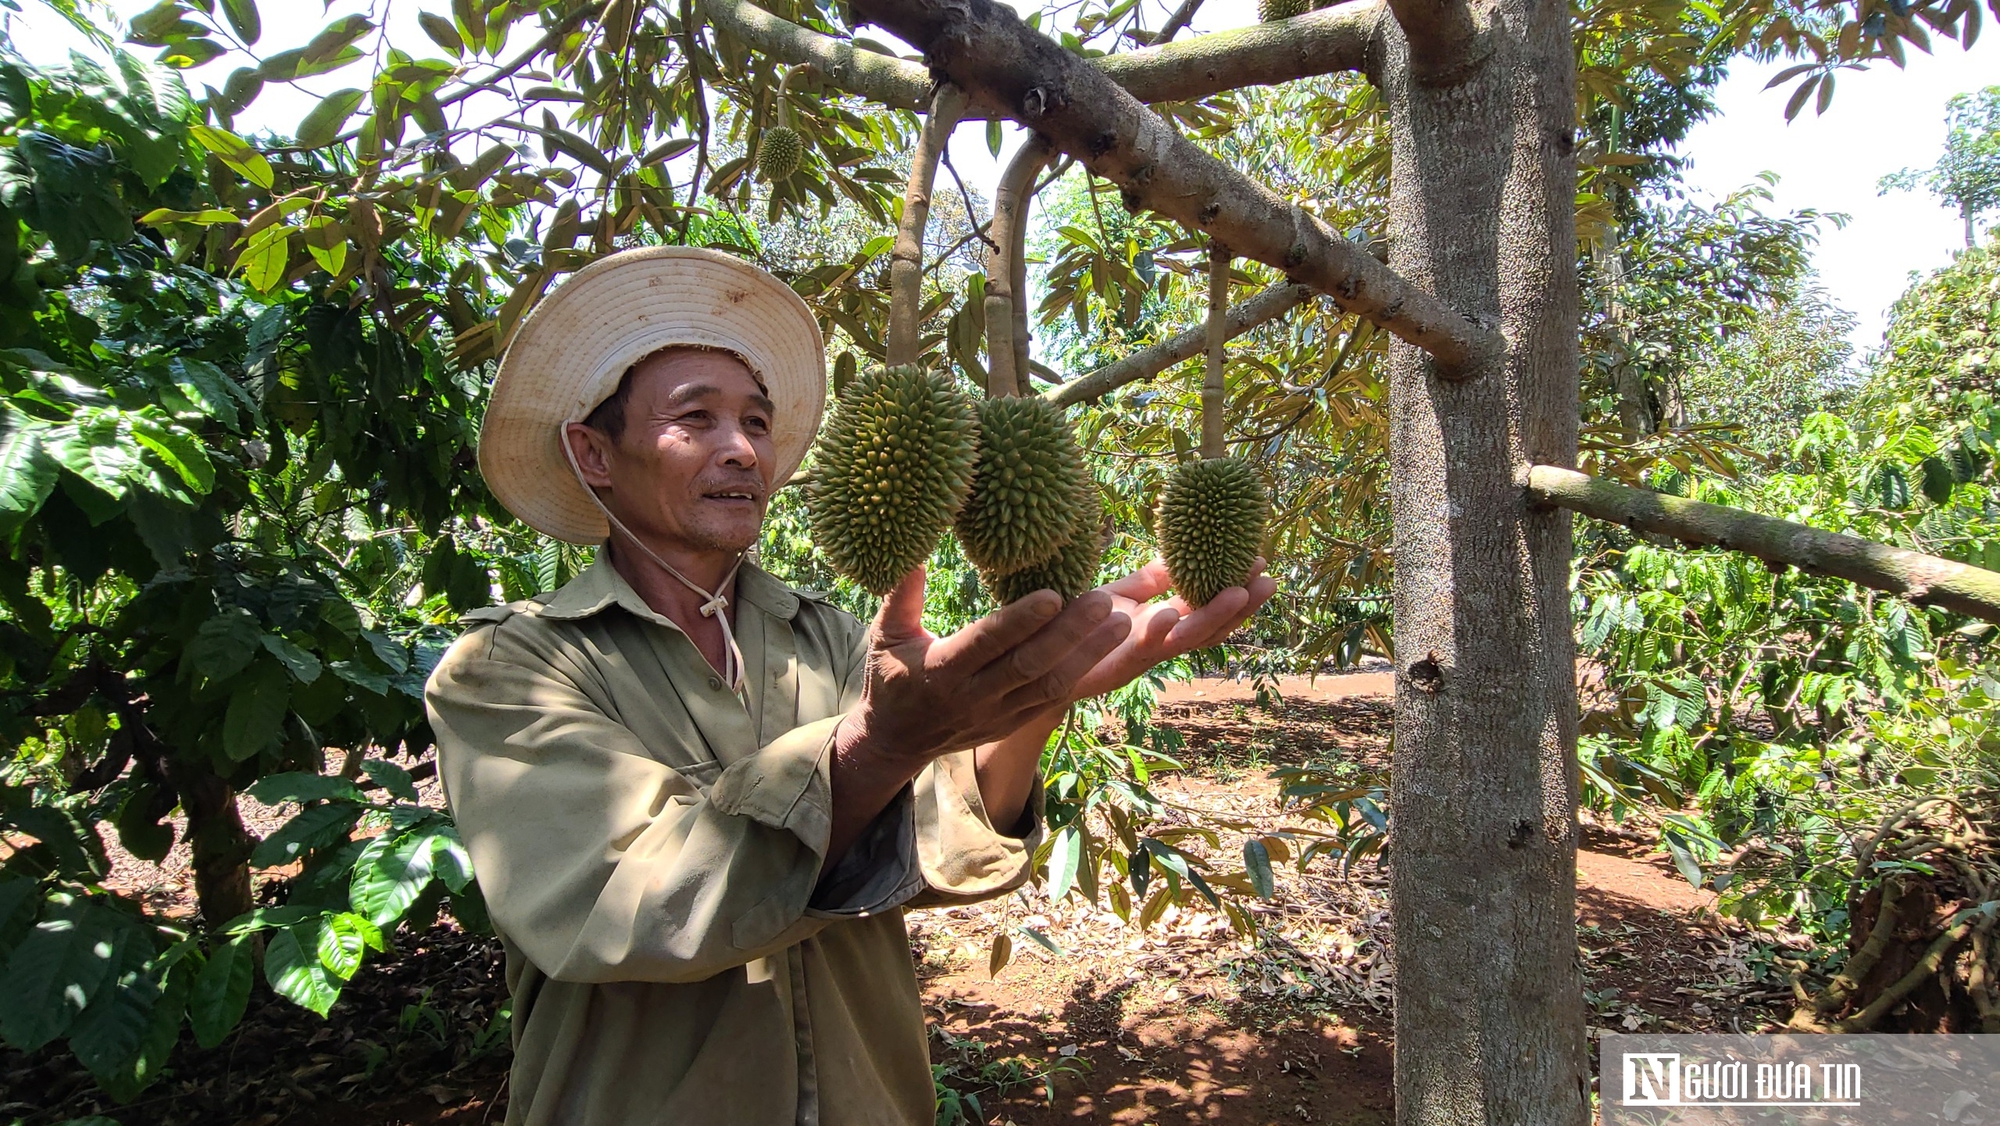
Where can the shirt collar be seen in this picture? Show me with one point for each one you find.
(600, 586)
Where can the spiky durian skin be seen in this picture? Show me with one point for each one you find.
(1027, 489)
(894, 465)
(1269, 10)
(779, 152)
(1211, 526)
(1074, 567)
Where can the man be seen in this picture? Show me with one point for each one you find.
(697, 800)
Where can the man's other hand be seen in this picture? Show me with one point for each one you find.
(1166, 628)
(925, 696)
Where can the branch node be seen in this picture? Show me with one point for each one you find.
(1103, 143)
(1208, 214)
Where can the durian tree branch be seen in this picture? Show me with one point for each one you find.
(985, 48)
(1334, 39)
(1007, 271)
(1923, 579)
(1214, 437)
(906, 261)
(1274, 302)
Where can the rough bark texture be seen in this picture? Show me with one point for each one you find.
(221, 845)
(906, 260)
(1148, 362)
(1923, 579)
(1007, 271)
(1322, 42)
(1489, 1025)
(985, 48)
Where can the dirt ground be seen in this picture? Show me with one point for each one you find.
(1182, 1023)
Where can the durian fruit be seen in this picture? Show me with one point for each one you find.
(1074, 568)
(894, 464)
(1027, 489)
(1270, 10)
(1211, 526)
(778, 153)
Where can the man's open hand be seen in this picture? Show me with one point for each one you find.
(1167, 628)
(925, 696)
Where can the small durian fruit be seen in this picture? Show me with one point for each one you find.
(1271, 10)
(1027, 488)
(779, 152)
(1074, 567)
(1211, 526)
(893, 467)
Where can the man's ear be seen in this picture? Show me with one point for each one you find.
(592, 451)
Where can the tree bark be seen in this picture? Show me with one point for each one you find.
(1007, 271)
(1923, 579)
(1214, 387)
(1489, 1020)
(983, 47)
(1322, 42)
(906, 260)
(220, 843)
(1269, 305)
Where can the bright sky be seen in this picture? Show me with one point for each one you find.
(1881, 120)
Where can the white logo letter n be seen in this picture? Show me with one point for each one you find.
(1652, 1079)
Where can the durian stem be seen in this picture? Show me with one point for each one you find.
(1007, 271)
(906, 263)
(1214, 441)
(784, 96)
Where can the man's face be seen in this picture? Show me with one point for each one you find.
(693, 465)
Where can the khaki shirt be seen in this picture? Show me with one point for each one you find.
(650, 850)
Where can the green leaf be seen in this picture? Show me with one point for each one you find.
(242, 16)
(109, 1032)
(78, 852)
(181, 451)
(256, 713)
(450, 861)
(27, 473)
(96, 445)
(313, 827)
(235, 152)
(303, 666)
(441, 32)
(1064, 853)
(297, 975)
(55, 973)
(1938, 480)
(1257, 863)
(391, 777)
(224, 644)
(19, 900)
(387, 650)
(263, 261)
(324, 123)
(344, 939)
(218, 396)
(995, 135)
(389, 876)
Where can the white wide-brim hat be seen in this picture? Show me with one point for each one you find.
(574, 347)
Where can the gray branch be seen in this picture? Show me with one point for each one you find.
(1146, 363)
(1323, 42)
(986, 49)
(1923, 579)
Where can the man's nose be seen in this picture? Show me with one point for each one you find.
(737, 448)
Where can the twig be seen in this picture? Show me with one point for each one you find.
(1214, 389)
(1272, 303)
(1962, 923)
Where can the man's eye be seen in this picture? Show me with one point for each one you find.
(760, 425)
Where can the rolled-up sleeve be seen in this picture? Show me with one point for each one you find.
(602, 863)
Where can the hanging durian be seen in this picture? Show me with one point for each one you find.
(1270, 10)
(1074, 567)
(780, 149)
(1211, 526)
(893, 467)
(1028, 488)
(1212, 512)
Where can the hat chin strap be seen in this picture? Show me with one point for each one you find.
(716, 600)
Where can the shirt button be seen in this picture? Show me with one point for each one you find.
(714, 682)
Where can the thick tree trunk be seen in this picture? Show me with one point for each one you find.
(1489, 1021)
